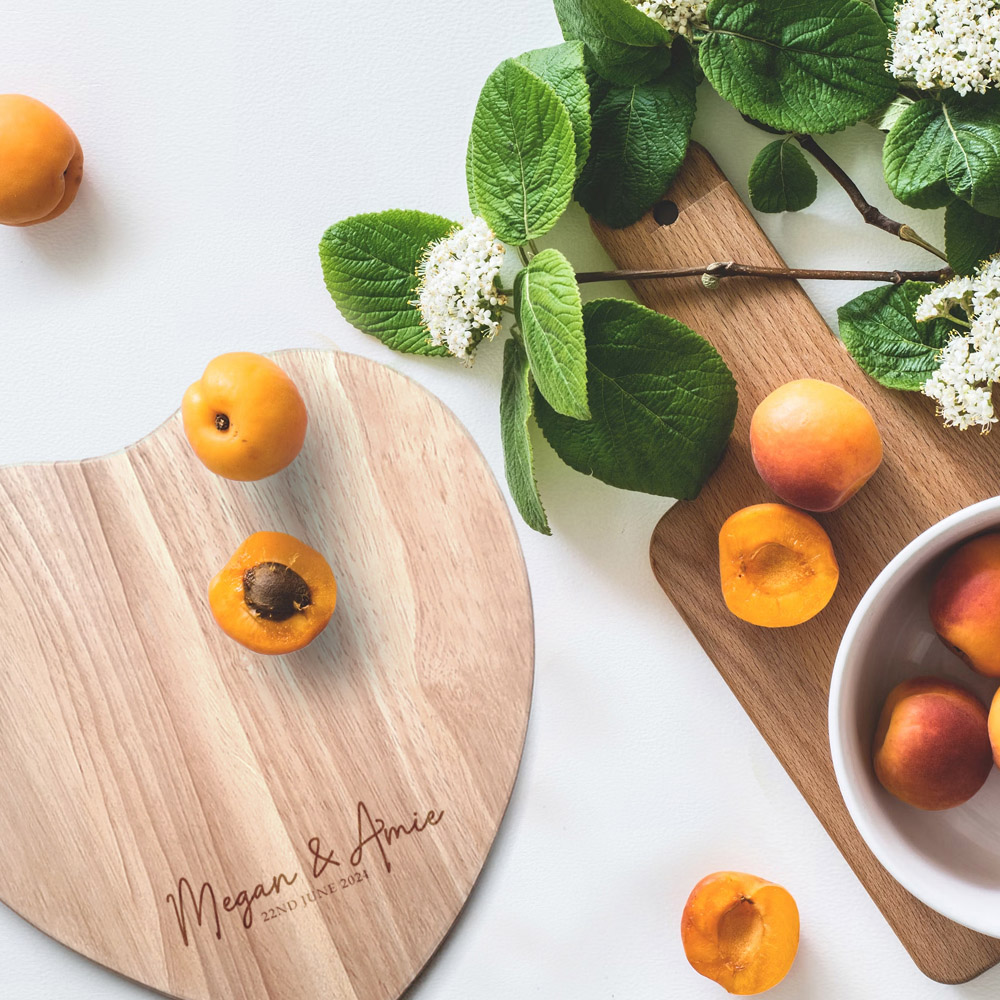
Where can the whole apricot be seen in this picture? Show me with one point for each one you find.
(965, 603)
(275, 595)
(932, 745)
(244, 418)
(776, 565)
(41, 162)
(814, 444)
(740, 931)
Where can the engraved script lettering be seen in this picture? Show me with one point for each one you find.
(370, 830)
(202, 908)
(242, 902)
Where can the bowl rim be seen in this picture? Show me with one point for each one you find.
(838, 716)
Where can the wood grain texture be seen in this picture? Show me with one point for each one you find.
(141, 746)
(769, 333)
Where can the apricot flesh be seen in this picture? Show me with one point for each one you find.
(965, 603)
(777, 566)
(41, 162)
(814, 444)
(932, 745)
(740, 931)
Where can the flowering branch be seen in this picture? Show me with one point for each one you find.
(730, 269)
(871, 215)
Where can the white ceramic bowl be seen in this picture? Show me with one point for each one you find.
(950, 859)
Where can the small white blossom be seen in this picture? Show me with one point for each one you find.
(457, 295)
(682, 17)
(970, 361)
(948, 44)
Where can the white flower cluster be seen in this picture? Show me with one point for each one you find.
(457, 296)
(970, 361)
(948, 44)
(682, 17)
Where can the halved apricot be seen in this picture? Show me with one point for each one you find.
(275, 595)
(777, 565)
(740, 931)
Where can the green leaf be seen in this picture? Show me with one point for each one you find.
(622, 44)
(562, 68)
(369, 264)
(662, 401)
(880, 333)
(547, 302)
(639, 142)
(887, 11)
(781, 179)
(522, 155)
(970, 237)
(941, 148)
(798, 65)
(518, 457)
(915, 156)
(885, 118)
(973, 170)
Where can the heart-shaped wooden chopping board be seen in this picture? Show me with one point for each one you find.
(219, 825)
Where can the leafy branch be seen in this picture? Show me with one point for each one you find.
(732, 269)
(620, 392)
(872, 215)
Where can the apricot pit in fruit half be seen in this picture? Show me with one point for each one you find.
(740, 931)
(776, 565)
(275, 595)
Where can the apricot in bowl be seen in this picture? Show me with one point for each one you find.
(932, 745)
(244, 417)
(965, 603)
(814, 444)
(740, 931)
(776, 565)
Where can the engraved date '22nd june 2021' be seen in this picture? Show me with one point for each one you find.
(205, 907)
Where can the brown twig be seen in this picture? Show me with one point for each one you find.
(731, 269)
(871, 215)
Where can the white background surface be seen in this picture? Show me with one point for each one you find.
(221, 139)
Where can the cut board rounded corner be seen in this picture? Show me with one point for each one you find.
(218, 825)
(781, 676)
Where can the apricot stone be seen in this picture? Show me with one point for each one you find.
(814, 444)
(965, 603)
(932, 746)
(740, 931)
(776, 565)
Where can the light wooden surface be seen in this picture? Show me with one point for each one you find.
(141, 746)
(769, 333)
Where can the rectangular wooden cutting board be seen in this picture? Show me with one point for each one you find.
(769, 333)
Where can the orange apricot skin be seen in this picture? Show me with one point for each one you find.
(965, 603)
(41, 162)
(265, 417)
(234, 617)
(932, 744)
(994, 727)
(776, 565)
(814, 444)
(740, 931)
